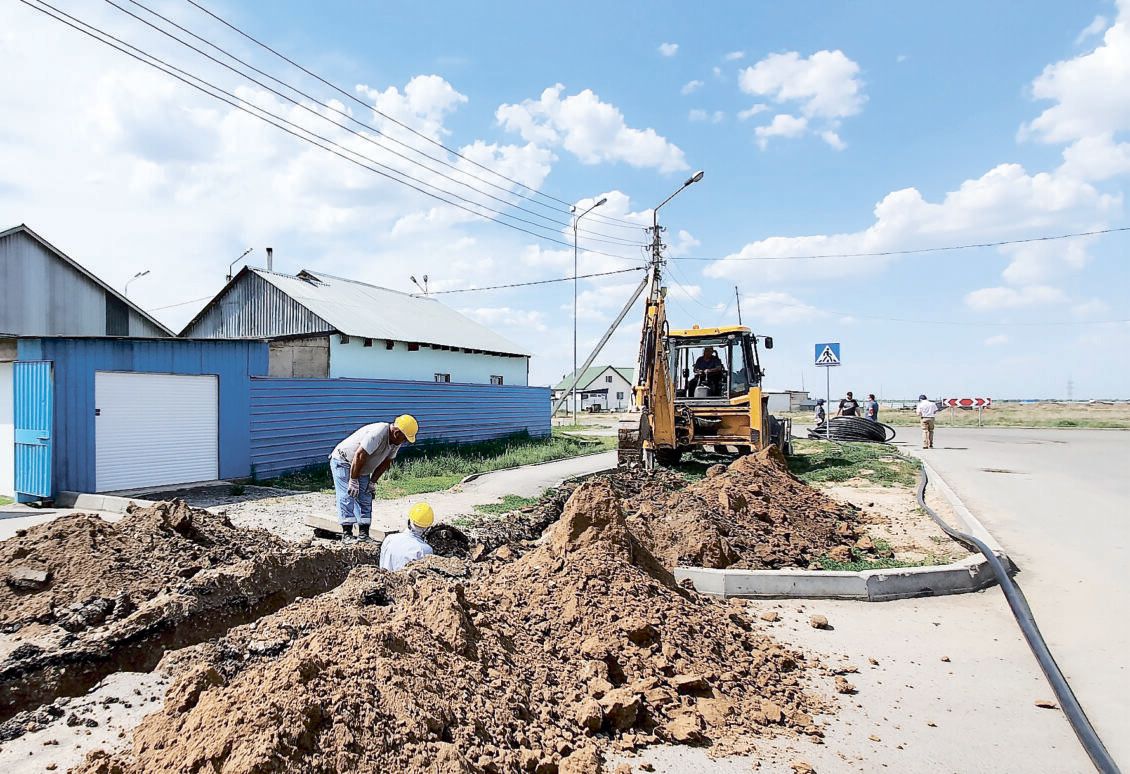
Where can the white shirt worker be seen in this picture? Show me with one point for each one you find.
(400, 548)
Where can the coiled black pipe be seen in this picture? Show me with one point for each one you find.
(1088, 737)
(853, 429)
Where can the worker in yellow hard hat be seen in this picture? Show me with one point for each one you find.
(400, 548)
(358, 462)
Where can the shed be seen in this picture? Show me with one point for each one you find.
(322, 326)
(103, 414)
(44, 292)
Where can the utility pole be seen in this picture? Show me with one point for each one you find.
(738, 299)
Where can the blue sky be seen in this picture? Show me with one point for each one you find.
(822, 128)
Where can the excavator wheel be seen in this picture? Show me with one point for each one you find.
(668, 457)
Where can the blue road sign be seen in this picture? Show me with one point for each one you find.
(828, 354)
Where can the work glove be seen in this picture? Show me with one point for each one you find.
(372, 487)
(354, 487)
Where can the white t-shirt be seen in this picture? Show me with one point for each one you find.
(927, 409)
(374, 440)
(400, 548)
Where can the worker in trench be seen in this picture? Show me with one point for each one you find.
(357, 463)
(400, 548)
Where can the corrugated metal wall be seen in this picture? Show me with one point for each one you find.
(77, 360)
(253, 308)
(296, 423)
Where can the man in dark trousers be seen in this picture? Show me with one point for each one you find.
(849, 406)
(871, 408)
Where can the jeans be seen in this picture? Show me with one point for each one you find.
(351, 510)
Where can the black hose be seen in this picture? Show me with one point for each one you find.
(853, 429)
(1088, 737)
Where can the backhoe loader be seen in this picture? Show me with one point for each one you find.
(687, 397)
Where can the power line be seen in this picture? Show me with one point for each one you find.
(612, 239)
(387, 117)
(910, 252)
(536, 282)
(180, 303)
(183, 76)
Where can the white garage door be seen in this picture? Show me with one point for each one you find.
(155, 429)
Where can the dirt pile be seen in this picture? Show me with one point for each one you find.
(753, 514)
(87, 570)
(540, 664)
(83, 598)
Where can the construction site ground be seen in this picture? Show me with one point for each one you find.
(953, 686)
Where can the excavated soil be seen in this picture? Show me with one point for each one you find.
(83, 598)
(541, 663)
(753, 514)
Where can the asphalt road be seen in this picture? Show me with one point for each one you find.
(1058, 501)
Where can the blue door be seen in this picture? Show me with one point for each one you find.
(34, 414)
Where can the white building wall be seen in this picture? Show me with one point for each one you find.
(356, 361)
(619, 397)
(7, 432)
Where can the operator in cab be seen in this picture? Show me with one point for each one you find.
(708, 370)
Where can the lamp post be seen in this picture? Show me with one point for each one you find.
(131, 279)
(655, 241)
(576, 376)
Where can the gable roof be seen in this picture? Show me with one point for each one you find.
(368, 311)
(592, 373)
(24, 229)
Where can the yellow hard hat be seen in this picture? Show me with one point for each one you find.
(408, 425)
(421, 514)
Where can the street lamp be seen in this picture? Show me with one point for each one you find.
(576, 376)
(131, 279)
(690, 180)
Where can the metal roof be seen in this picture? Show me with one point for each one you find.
(367, 311)
(86, 273)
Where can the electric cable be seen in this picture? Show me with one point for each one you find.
(534, 282)
(612, 239)
(1050, 238)
(1072, 709)
(183, 76)
(858, 429)
(348, 95)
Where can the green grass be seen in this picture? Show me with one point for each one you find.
(433, 467)
(508, 503)
(820, 462)
(6, 500)
(859, 564)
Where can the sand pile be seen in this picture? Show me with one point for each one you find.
(540, 664)
(80, 570)
(752, 515)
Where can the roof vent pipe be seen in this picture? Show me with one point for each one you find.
(270, 259)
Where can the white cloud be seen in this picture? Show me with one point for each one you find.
(717, 72)
(752, 111)
(1090, 308)
(716, 117)
(424, 104)
(998, 340)
(1097, 25)
(833, 139)
(779, 307)
(506, 317)
(592, 130)
(992, 299)
(901, 58)
(690, 87)
(824, 88)
(783, 125)
(668, 49)
(734, 56)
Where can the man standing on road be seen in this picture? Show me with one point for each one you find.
(871, 408)
(358, 462)
(400, 548)
(926, 409)
(849, 406)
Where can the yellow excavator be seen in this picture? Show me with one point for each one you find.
(696, 388)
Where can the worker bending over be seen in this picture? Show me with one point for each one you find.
(358, 462)
(400, 548)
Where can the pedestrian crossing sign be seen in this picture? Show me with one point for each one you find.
(828, 354)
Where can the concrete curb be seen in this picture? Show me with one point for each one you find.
(97, 502)
(969, 574)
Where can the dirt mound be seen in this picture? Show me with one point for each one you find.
(583, 644)
(80, 570)
(752, 515)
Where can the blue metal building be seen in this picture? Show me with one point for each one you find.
(101, 414)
